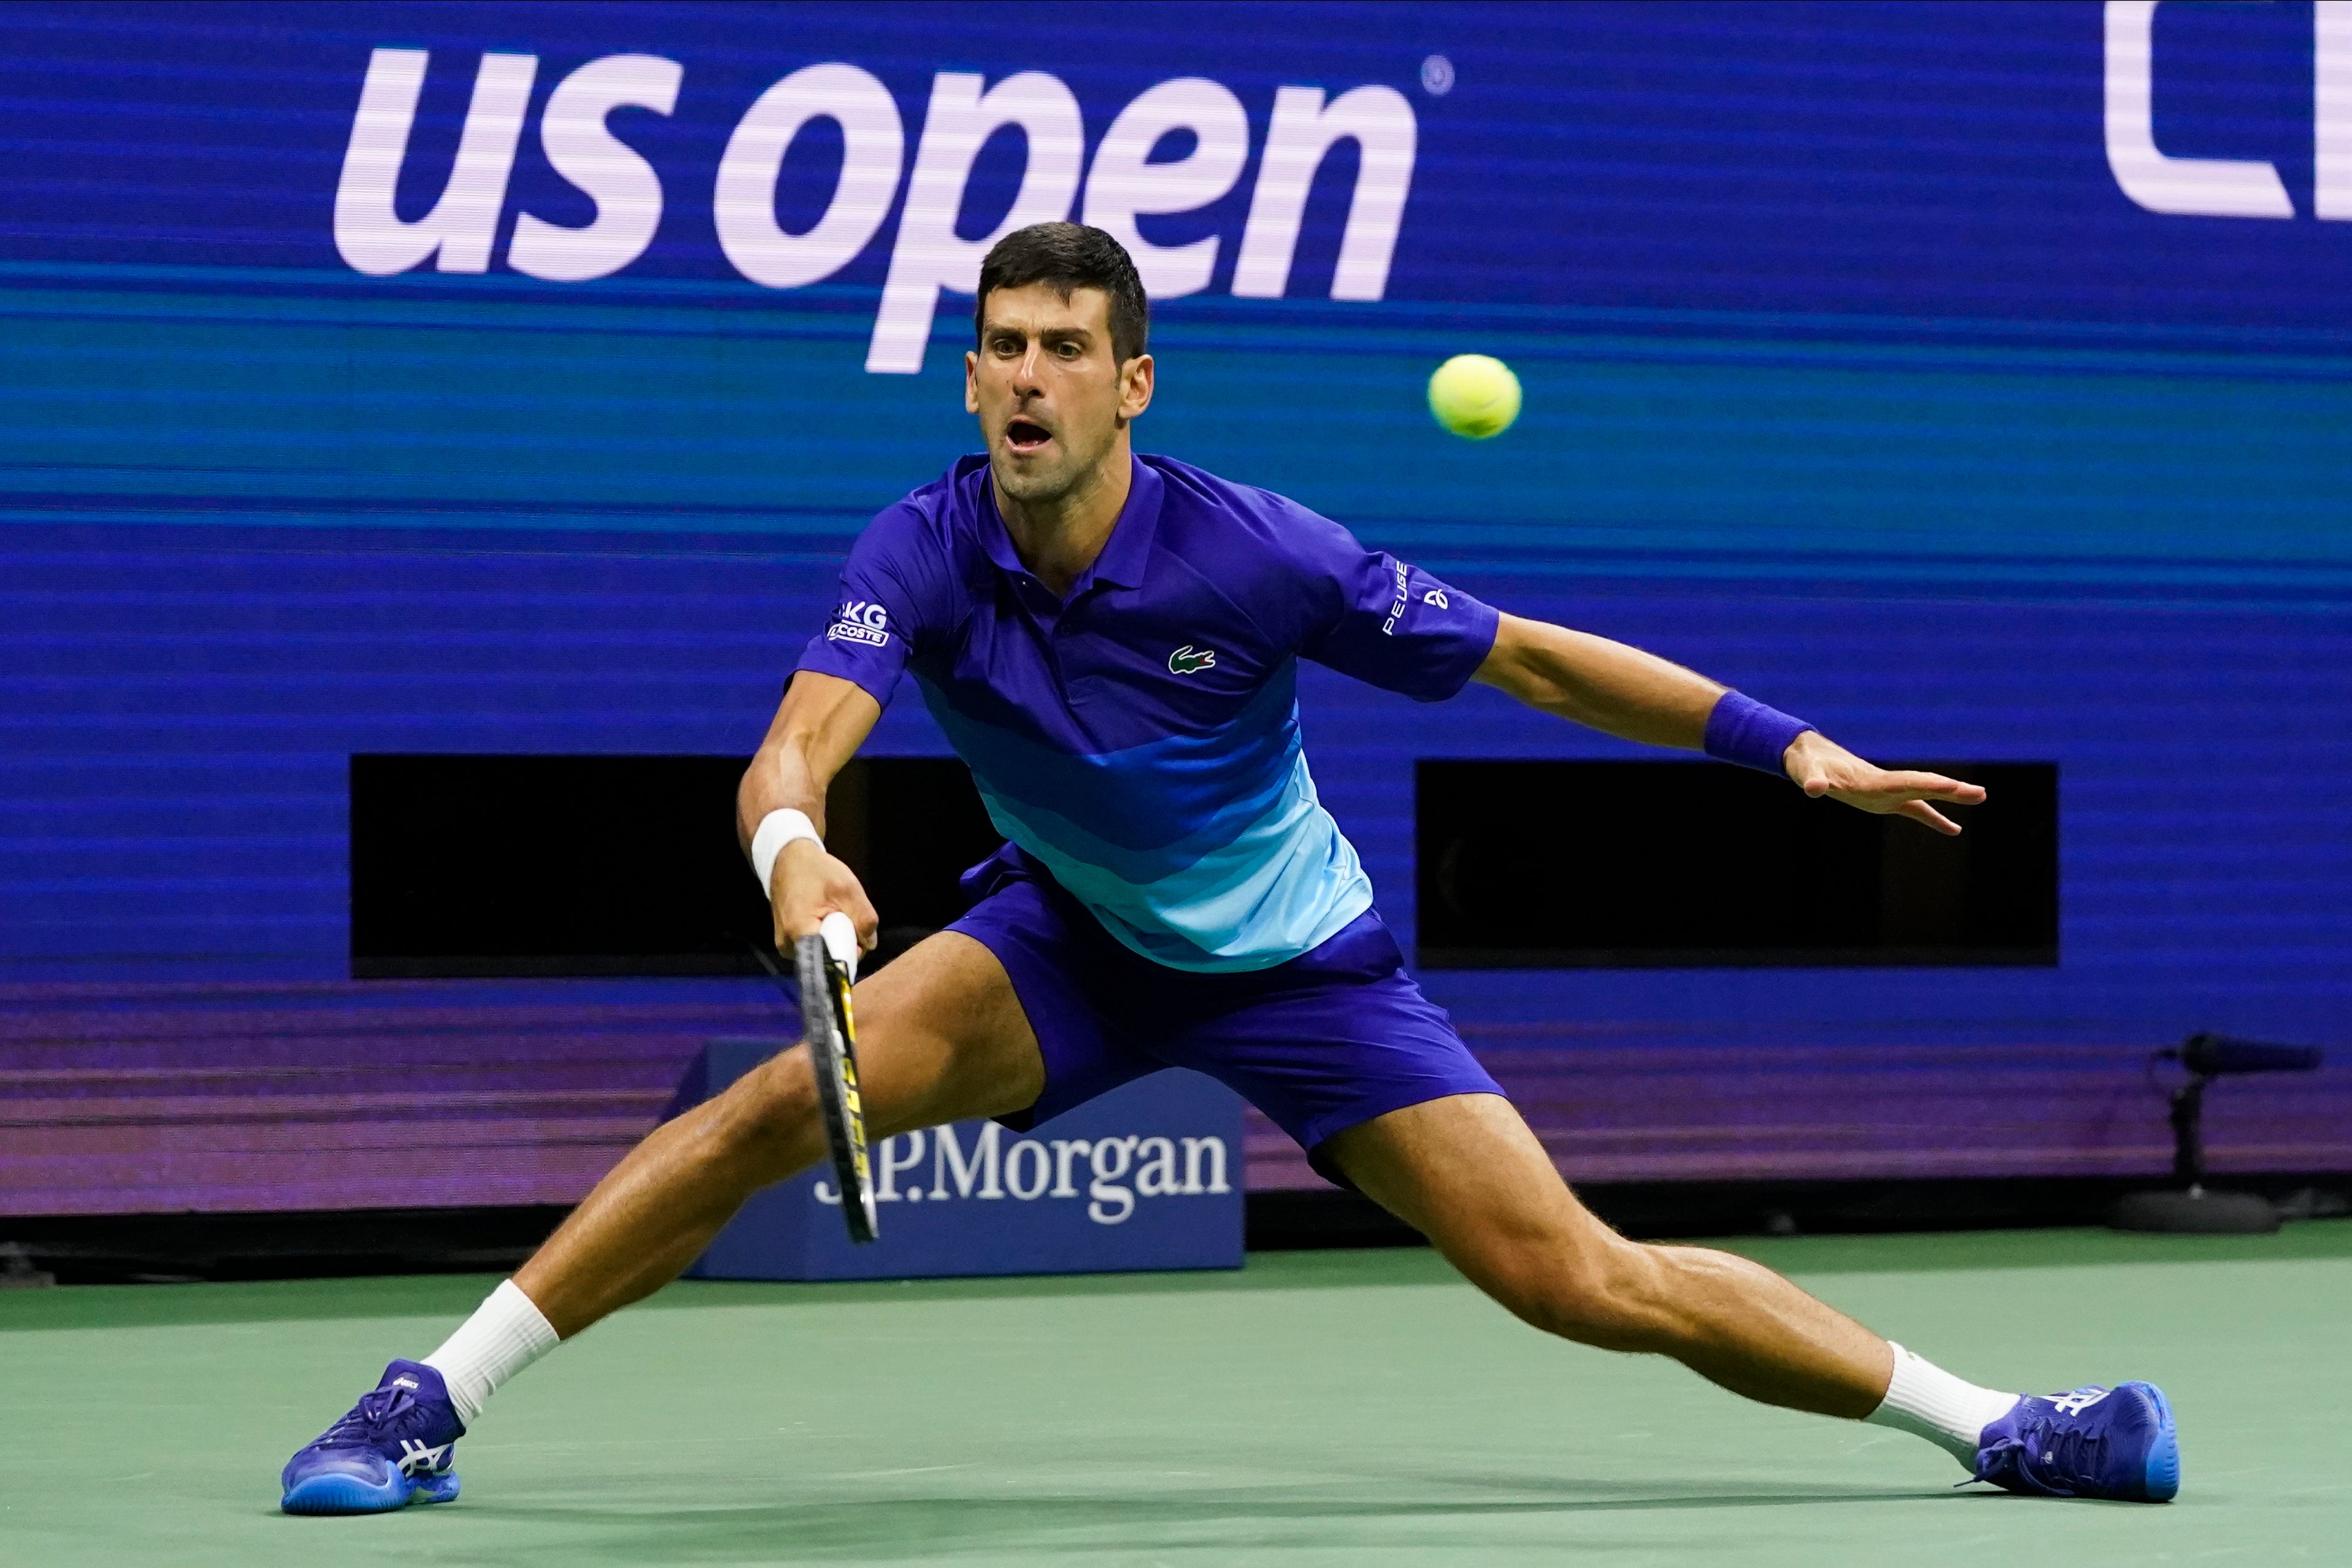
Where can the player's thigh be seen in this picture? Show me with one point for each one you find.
(941, 1037)
(1466, 1172)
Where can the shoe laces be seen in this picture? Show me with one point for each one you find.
(360, 1427)
(2058, 1447)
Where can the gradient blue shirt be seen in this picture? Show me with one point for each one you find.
(1140, 737)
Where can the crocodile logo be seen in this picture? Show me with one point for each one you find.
(1189, 659)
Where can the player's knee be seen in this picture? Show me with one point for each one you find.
(1609, 1299)
(769, 1111)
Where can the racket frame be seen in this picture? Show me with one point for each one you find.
(829, 1028)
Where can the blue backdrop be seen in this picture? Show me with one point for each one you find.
(1971, 380)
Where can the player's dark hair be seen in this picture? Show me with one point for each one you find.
(1068, 257)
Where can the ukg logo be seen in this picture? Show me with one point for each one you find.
(859, 621)
(1117, 1173)
(1110, 186)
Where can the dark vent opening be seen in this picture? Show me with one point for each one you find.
(513, 866)
(1542, 864)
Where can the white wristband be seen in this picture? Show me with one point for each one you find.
(776, 830)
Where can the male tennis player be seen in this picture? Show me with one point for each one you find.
(1112, 643)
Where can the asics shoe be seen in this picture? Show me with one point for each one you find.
(396, 1446)
(2117, 1444)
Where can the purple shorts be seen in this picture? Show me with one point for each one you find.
(1333, 1037)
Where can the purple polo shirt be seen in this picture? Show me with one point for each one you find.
(1140, 737)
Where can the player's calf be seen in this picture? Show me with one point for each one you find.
(1609, 1296)
(945, 1038)
(1466, 1172)
(655, 1211)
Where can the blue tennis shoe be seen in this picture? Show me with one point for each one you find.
(2114, 1443)
(396, 1446)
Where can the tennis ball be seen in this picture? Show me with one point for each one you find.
(1474, 396)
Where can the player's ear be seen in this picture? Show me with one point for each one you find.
(1135, 382)
(971, 382)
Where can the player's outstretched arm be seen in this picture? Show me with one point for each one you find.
(818, 727)
(1624, 692)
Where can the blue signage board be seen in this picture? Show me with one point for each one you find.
(1148, 1177)
(511, 379)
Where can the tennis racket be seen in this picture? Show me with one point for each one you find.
(827, 964)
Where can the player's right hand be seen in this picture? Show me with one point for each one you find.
(811, 884)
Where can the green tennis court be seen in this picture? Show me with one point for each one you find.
(1316, 1407)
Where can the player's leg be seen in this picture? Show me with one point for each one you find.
(1467, 1173)
(941, 1038)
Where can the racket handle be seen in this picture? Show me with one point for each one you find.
(840, 940)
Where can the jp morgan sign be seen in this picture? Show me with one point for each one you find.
(1111, 186)
(1043, 1169)
(1149, 1176)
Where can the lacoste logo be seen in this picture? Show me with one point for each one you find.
(860, 621)
(1189, 659)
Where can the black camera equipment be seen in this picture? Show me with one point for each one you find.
(2188, 1206)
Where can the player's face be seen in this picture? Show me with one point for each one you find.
(1053, 400)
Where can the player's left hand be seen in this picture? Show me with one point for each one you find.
(1820, 766)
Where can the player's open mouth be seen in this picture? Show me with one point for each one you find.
(1023, 435)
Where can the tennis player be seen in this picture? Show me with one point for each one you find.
(1111, 642)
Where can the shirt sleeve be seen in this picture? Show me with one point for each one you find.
(1383, 620)
(895, 602)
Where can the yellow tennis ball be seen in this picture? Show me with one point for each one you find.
(1474, 396)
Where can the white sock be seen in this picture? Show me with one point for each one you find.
(504, 1334)
(1924, 1399)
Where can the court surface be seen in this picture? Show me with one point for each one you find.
(1358, 1408)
